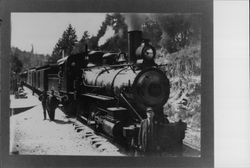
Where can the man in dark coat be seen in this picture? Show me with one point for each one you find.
(21, 84)
(43, 97)
(52, 104)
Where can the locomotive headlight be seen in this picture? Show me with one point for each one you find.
(145, 52)
(148, 53)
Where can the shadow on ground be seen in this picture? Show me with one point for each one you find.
(62, 122)
(14, 111)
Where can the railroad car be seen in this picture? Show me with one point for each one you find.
(30, 79)
(38, 79)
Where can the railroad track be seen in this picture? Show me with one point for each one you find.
(103, 143)
(192, 138)
(98, 141)
(188, 144)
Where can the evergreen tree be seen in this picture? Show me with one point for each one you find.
(119, 40)
(28, 58)
(85, 37)
(68, 40)
(56, 53)
(179, 31)
(65, 44)
(80, 46)
(152, 30)
(16, 64)
(115, 43)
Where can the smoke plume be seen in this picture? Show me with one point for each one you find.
(135, 20)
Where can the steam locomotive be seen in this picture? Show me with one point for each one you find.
(119, 94)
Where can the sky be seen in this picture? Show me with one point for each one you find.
(42, 30)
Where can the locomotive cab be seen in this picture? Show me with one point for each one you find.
(69, 80)
(47, 78)
(69, 73)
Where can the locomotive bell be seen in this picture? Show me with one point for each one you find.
(151, 87)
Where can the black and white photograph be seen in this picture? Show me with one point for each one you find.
(135, 83)
(105, 84)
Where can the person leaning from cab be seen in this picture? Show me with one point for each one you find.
(43, 98)
(52, 104)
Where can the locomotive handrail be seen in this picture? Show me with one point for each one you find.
(101, 72)
(120, 65)
(98, 96)
(130, 106)
(131, 66)
(91, 86)
(106, 69)
(113, 81)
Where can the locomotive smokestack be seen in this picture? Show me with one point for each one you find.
(86, 48)
(134, 41)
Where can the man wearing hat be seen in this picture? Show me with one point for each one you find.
(52, 104)
(43, 99)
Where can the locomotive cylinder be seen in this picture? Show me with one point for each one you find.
(112, 129)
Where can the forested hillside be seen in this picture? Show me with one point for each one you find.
(23, 60)
(183, 69)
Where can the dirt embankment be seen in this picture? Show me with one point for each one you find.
(183, 69)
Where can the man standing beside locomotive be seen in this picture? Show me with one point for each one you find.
(52, 104)
(43, 97)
